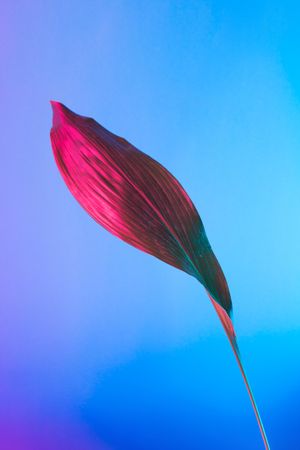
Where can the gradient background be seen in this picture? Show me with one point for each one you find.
(104, 347)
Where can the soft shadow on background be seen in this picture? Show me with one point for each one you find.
(103, 347)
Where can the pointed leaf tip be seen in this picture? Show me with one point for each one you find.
(58, 113)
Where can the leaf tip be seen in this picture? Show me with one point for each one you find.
(58, 113)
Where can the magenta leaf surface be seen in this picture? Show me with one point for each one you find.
(138, 200)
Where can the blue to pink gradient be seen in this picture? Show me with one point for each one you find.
(103, 347)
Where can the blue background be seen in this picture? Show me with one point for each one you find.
(104, 347)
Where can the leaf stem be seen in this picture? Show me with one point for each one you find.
(255, 408)
(229, 330)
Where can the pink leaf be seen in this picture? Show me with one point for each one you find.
(138, 200)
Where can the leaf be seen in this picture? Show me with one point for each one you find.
(138, 200)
